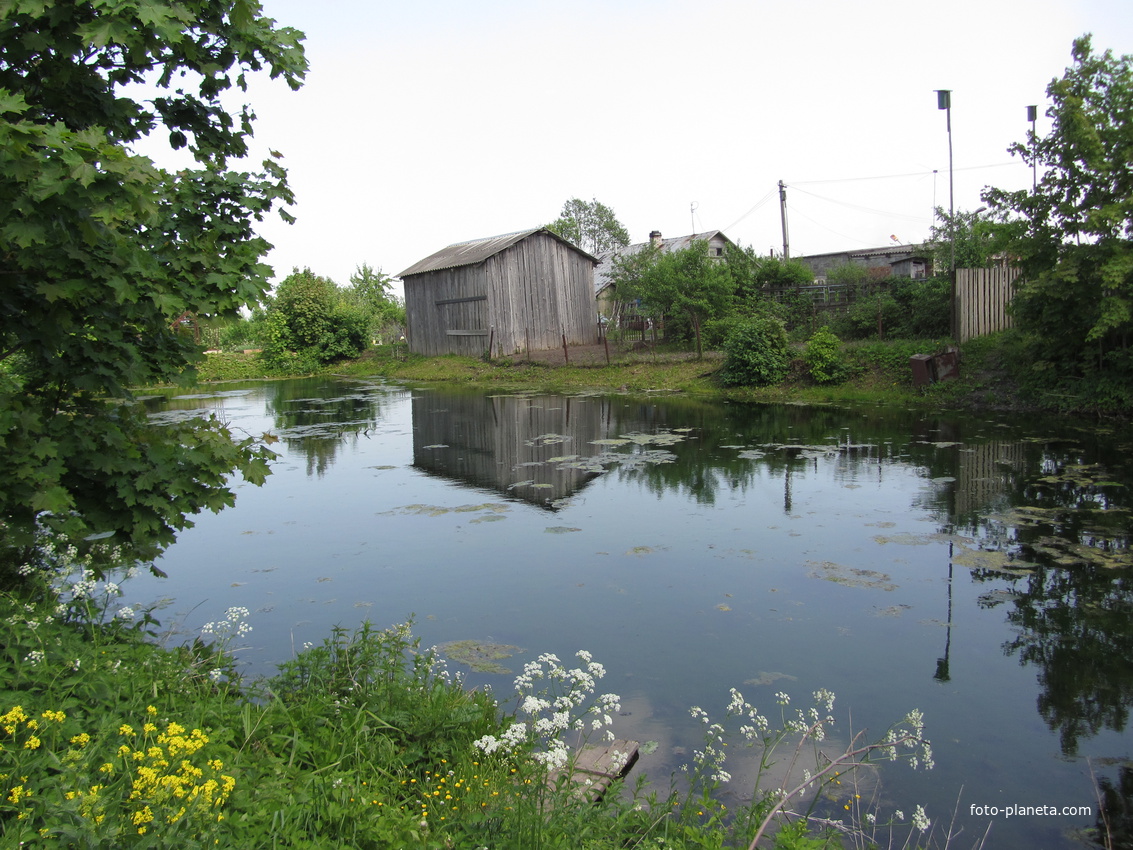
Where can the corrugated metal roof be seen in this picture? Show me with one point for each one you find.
(677, 243)
(477, 251)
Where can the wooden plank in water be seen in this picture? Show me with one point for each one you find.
(598, 765)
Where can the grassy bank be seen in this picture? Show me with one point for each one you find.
(996, 373)
(877, 372)
(110, 739)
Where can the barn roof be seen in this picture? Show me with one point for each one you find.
(478, 250)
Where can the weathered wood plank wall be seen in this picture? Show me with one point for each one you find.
(982, 296)
(524, 298)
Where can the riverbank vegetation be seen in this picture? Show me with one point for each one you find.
(111, 736)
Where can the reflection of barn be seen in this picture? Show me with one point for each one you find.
(508, 443)
(526, 291)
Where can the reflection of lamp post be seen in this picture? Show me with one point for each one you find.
(943, 674)
(1032, 116)
(944, 101)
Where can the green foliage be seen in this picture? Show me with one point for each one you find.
(757, 353)
(907, 308)
(687, 282)
(101, 251)
(865, 316)
(310, 324)
(925, 307)
(823, 357)
(591, 225)
(851, 275)
(755, 276)
(371, 292)
(974, 237)
(1073, 235)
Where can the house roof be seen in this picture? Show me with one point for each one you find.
(478, 250)
(902, 251)
(606, 258)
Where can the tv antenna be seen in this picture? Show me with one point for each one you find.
(692, 215)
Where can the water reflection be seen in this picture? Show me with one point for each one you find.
(521, 446)
(318, 424)
(1074, 625)
(976, 568)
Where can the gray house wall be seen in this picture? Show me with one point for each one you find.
(901, 260)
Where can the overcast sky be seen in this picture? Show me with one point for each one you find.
(424, 124)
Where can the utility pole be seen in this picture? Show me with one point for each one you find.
(783, 216)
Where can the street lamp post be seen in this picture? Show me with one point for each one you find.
(1032, 116)
(944, 101)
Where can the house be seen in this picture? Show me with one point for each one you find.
(525, 291)
(608, 304)
(896, 260)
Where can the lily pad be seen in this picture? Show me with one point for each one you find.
(481, 656)
(560, 529)
(851, 576)
(769, 678)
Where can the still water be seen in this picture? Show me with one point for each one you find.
(977, 569)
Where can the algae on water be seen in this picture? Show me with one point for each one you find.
(481, 656)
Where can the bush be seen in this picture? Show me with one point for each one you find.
(909, 309)
(862, 318)
(757, 352)
(823, 357)
(926, 311)
(311, 324)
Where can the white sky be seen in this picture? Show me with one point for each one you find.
(423, 124)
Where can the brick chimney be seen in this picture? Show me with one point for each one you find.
(655, 238)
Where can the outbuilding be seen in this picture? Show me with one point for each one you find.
(510, 294)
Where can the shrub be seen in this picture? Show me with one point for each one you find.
(757, 352)
(925, 307)
(823, 357)
(311, 324)
(862, 318)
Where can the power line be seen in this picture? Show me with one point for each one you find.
(758, 204)
(917, 218)
(898, 176)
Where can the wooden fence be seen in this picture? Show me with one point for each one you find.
(982, 296)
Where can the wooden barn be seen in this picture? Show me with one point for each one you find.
(511, 294)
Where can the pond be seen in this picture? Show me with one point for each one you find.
(975, 568)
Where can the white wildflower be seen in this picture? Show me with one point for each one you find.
(920, 820)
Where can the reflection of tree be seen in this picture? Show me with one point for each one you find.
(1075, 626)
(1114, 825)
(316, 416)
